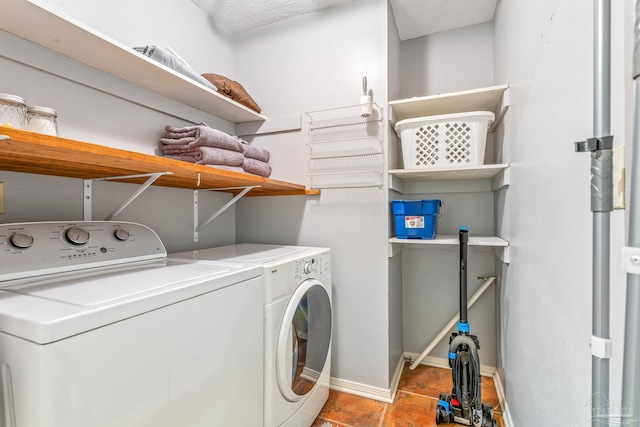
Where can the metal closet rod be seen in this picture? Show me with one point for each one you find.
(601, 206)
(600, 149)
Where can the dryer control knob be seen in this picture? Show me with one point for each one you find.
(307, 267)
(22, 240)
(122, 234)
(77, 235)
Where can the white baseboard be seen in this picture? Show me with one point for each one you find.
(504, 408)
(370, 392)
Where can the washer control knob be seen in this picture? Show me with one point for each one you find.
(122, 234)
(21, 240)
(307, 267)
(77, 235)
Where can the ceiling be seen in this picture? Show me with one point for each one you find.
(414, 18)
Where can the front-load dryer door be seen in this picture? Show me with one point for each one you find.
(303, 340)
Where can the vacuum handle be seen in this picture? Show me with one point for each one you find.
(463, 237)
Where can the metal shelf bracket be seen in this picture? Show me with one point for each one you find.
(88, 189)
(196, 227)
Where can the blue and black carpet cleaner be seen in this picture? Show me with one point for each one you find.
(464, 404)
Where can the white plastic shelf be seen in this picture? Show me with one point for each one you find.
(351, 179)
(349, 116)
(345, 147)
(499, 246)
(450, 173)
(484, 99)
(452, 239)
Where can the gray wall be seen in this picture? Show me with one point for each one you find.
(314, 62)
(544, 51)
(448, 61)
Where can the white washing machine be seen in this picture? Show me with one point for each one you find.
(298, 325)
(98, 328)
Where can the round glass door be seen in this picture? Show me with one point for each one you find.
(304, 339)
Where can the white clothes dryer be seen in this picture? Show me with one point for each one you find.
(98, 328)
(298, 326)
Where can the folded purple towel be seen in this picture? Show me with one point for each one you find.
(207, 156)
(190, 159)
(199, 136)
(256, 153)
(256, 167)
(178, 135)
(218, 156)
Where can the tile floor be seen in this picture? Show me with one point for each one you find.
(414, 404)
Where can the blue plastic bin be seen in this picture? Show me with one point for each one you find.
(416, 219)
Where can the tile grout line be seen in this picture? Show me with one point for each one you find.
(384, 414)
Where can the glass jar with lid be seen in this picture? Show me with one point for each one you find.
(13, 111)
(42, 120)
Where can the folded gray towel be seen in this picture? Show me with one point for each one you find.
(190, 159)
(218, 156)
(191, 137)
(181, 135)
(256, 167)
(177, 151)
(209, 156)
(256, 153)
(166, 57)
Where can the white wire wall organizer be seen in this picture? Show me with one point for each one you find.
(345, 147)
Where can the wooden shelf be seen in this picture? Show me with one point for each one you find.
(449, 174)
(485, 99)
(30, 152)
(34, 22)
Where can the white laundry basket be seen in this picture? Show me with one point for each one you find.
(446, 140)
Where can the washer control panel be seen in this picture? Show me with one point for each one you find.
(35, 248)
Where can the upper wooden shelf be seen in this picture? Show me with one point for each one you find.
(30, 152)
(35, 22)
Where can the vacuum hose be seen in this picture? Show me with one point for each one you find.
(466, 381)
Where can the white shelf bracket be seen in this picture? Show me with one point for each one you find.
(396, 184)
(394, 249)
(88, 189)
(501, 180)
(196, 227)
(504, 253)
